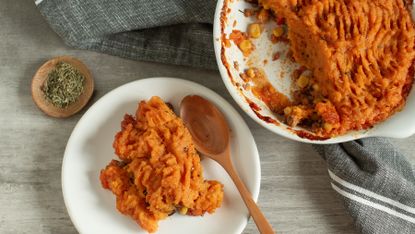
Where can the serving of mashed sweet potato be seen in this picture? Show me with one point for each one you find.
(360, 54)
(159, 170)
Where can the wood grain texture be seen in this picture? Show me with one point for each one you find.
(295, 193)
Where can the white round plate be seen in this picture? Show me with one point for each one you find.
(229, 16)
(89, 149)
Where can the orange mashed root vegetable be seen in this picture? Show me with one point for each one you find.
(360, 54)
(160, 170)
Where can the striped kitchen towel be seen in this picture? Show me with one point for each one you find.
(375, 181)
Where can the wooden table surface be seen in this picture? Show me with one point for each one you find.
(295, 192)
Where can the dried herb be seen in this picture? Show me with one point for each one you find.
(64, 85)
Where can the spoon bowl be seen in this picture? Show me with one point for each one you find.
(206, 124)
(210, 133)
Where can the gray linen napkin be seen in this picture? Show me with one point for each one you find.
(168, 31)
(375, 181)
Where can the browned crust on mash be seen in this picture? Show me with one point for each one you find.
(360, 54)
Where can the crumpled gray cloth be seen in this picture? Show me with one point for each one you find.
(375, 181)
(168, 31)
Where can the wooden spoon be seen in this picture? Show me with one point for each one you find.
(42, 74)
(210, 133)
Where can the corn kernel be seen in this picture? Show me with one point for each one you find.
(297, 110)
(246, 47)
(316, 87)
(287, 110)
(263, 4)
(278, 32)
(250, 72)
(328, 127)
(263, 15)
(254, 30)
(227, 43)
(337, 96)
(183, 210)
(302, 81)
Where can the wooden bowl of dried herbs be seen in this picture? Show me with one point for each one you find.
(62, 86)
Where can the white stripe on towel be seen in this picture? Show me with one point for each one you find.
(37, 2)
(372, 204)
(371, 194)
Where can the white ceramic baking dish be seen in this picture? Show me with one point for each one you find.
(229, 16)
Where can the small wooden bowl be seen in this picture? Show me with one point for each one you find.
(42, 74)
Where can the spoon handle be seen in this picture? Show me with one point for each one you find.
(260, 220)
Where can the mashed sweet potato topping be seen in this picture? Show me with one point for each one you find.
(159, 170)
(360, 54)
